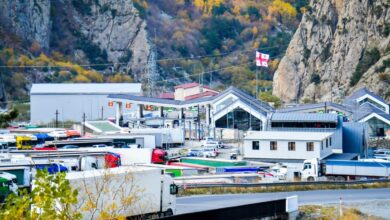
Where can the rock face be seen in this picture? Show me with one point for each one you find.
(114, 26)
(28, 19)
(327, 47)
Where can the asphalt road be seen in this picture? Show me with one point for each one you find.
(206, 202)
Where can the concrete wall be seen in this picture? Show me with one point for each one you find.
(282, 151)
(71, 107)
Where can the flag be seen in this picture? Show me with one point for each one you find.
(262, 59)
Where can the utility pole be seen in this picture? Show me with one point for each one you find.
(102, 112)
(57, 118)
(84, 123)
(198, 122)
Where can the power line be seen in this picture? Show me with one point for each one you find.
(211, 71)
(123, 63)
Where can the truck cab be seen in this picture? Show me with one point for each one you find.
(7, 185)
(168, 196)
(25, 142)
(310, 170)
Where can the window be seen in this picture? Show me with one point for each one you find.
(309, 146)
(291, 146)
(330, 141)
(306, 166)
(255, 145)
(322, 145)
(327, 143)
(273, 145)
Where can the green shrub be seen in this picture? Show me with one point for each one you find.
(315, 78)
(93, 52)
(369, 58)
(325, 54)
(126, 57)
(82, 7)
(306, 53)
(219, 10)
(254, 13)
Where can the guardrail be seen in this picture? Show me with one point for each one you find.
(355, 182)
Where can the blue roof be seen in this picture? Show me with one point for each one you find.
(359, 93)
(343, 156)
(323, 105)
(368, 109)
(304, 117)
(357, 163)
(262, 106)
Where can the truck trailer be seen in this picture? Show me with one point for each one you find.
(136, 192)
(341, 170)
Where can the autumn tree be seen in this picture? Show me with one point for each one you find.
(51, 198)
(120, 78)
(207, 5)
(121, 188)
(282, 10)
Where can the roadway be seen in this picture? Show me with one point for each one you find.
(206, 202)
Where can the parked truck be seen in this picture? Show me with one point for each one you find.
(26, 142)
(149, 192)
(341, 170)
(7, 185)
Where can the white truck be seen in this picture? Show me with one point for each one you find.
(341, 170)
(137, 192)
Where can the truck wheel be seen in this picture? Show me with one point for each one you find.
(310, 179)
(169, 212)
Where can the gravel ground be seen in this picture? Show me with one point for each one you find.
(379, 208)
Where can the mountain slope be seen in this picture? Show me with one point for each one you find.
(339, 45)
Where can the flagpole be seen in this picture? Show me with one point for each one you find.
(257, 84)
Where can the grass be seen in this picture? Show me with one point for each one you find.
(265, 189)
(24, 111)
(331, 212)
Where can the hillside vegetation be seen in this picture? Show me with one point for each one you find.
(211, 41)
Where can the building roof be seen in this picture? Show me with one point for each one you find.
(264, 107)
(313, 106)
(102, 126)
(167, 95)
(343, 156)
(202, 94)
(288, 135)
(86, 88)
(367, 109)
(187, 85)
(243, 96)
(362, 92)
(304, 117)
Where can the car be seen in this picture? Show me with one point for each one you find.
(44, 147)
(208, 152)
(211, 144)
(70, 146)
(99, 145)
(206, 139)
(194, 153)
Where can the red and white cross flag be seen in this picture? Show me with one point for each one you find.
(262, 59)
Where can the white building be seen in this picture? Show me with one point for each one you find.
(287, 146)
(71, 101)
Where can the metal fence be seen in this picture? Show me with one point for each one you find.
(317, 183)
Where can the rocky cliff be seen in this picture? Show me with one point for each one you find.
(30, 20)
(339, 46)
(99, 31)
